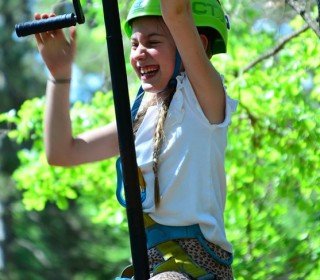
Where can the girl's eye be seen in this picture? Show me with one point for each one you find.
(150, 44)
(154, 43)
(134, 45)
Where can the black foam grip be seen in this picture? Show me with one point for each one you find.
(43, 25)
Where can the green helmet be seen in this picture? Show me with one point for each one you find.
(206, 13)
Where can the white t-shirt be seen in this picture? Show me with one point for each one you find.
(191, 165)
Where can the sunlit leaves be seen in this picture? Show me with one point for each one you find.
(273, 154)
(273, 210)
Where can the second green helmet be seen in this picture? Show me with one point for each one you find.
(206, 13)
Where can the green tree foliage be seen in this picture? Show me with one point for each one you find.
(88, 240)
(30, 248)
(273, 155)
(53, 244)
(273, 214)
(15, 73)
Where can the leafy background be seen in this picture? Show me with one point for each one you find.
(65, 223)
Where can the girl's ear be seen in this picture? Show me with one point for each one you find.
(206, 45)
(204, 41)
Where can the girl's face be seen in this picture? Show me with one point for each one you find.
(152, 53)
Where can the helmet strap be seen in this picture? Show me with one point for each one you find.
(176, 72)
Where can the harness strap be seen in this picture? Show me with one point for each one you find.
(176, 259)
(136, 103)
(134, 111)
(157, 234)
(163, 238)
(142, 184)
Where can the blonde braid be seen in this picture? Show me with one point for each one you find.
(158, 140)
(158, 134)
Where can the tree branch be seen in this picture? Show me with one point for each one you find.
(300, 8)
(274, 50)
(3, 133)
(36, 252)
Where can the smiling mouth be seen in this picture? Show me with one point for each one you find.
(148, 71)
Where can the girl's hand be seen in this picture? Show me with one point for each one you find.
(175, 7)
(56, 50)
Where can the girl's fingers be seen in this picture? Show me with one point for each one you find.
(52, 32)
(37, 16)
(73, 35)
(44, 16)
(38, 37)
(60, 41)
(44, 35)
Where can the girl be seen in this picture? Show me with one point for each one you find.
(180, 131)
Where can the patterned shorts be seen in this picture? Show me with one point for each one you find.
(199, 255)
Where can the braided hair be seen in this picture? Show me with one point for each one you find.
(158, 137)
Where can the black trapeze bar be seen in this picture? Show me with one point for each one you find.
(52, 23)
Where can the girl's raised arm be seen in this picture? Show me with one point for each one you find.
(203, 77)
(61, 147)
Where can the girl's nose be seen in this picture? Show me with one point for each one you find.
(139, 53)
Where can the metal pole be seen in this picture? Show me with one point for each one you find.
(126, 142)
